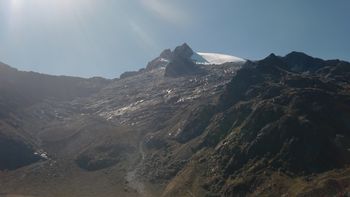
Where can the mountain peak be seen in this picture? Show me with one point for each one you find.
(298, 55)
(294, 61)
(301, 62)
(184, 51)
(272, 59)
(166, 54)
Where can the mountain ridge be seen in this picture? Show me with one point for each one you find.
(277, 126)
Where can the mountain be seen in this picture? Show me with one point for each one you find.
(276, 131)
(22, 90)
(189, 124)
(184, 61)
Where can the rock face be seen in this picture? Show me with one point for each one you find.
(294, 120)
(183, 51)
(177, 63)
(181, 63)
(274, 127)
(161, 61)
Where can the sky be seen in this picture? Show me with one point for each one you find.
(108, 37)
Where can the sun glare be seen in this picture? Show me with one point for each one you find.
(16, 5)
(47, 10)
(50, 5)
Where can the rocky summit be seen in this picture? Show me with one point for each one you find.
(181, 126)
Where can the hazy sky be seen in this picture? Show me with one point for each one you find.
(107, 37)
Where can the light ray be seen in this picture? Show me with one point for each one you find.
(166, 10)
(142, 34)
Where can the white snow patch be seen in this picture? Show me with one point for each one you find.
(164, 60)
(215, 58)
(42, 154)
(109, 115)
(188, 98)
(169, 91)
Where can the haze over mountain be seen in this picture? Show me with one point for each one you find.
(188, 124)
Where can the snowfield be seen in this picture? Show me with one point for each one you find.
(215, 58)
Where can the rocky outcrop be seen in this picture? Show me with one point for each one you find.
(181, 63)
(161, 61)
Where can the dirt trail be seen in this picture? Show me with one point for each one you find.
(132, 178)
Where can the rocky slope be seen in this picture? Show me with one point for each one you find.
(279, 126)
(21, 91)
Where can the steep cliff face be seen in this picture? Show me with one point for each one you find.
(181, 63)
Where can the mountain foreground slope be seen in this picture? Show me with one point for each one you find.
(180, 127)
